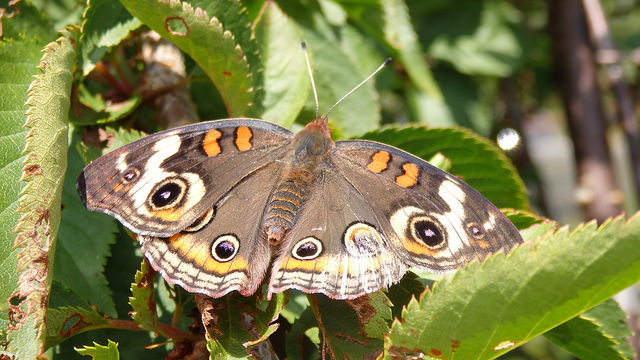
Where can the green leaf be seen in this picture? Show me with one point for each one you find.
(466, 105)
(196, 32)
(478, 162)
(65, 322)
(233, 16)
(92, 109)
(295, 307)
(100, 352)
(101, 141)
(401, 36)
(23, 36)
(105, 24)
(351, 331)
(374, 313)
(482, 311)
(83, 245)
(286, 80)
(522, 219)
(22, 20)
(43, 172)
(599, 333)
(143, 300)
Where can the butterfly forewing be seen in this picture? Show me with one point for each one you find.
(162, 183)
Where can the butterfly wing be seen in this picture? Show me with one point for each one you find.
(224, 249)
(433, 220)
(164, 182)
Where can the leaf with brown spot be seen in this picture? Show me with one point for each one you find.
(206, 39)
(20, 54)
(374, 314)
(67, 321)
(342, 334)
(40, 205)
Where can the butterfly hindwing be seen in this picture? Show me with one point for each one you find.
(162, 183)
(336, 247)
(224, 250)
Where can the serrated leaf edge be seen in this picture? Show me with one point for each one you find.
(35, 257)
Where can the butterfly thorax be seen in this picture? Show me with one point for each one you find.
(310, 149)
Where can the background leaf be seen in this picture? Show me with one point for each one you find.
(359, 112)
(105, 24)
(286, 80)
(480, 37)
(83, 247)
(101, 352)
(64, 322)
(143, 300)
(346, 330)
(244, 322)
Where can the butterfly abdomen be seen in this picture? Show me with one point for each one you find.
(283, 207)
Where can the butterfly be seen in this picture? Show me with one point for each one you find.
(224, 205)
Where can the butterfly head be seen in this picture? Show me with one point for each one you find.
(312, 143)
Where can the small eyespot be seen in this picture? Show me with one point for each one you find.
(427, 232)
(168, 193)
(475, 230)
(130, 175)
(225, 248)
(307, 249)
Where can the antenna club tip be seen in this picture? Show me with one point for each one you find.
(303, 45)
(387, 61)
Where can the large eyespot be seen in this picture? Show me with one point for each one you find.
(202, 221)
(307, 249)
(362, 240)
(424, 230)
(168, 193)
(130, 175)
(225, 248)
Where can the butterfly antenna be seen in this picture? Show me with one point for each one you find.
(313, 84)
(384, 63)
